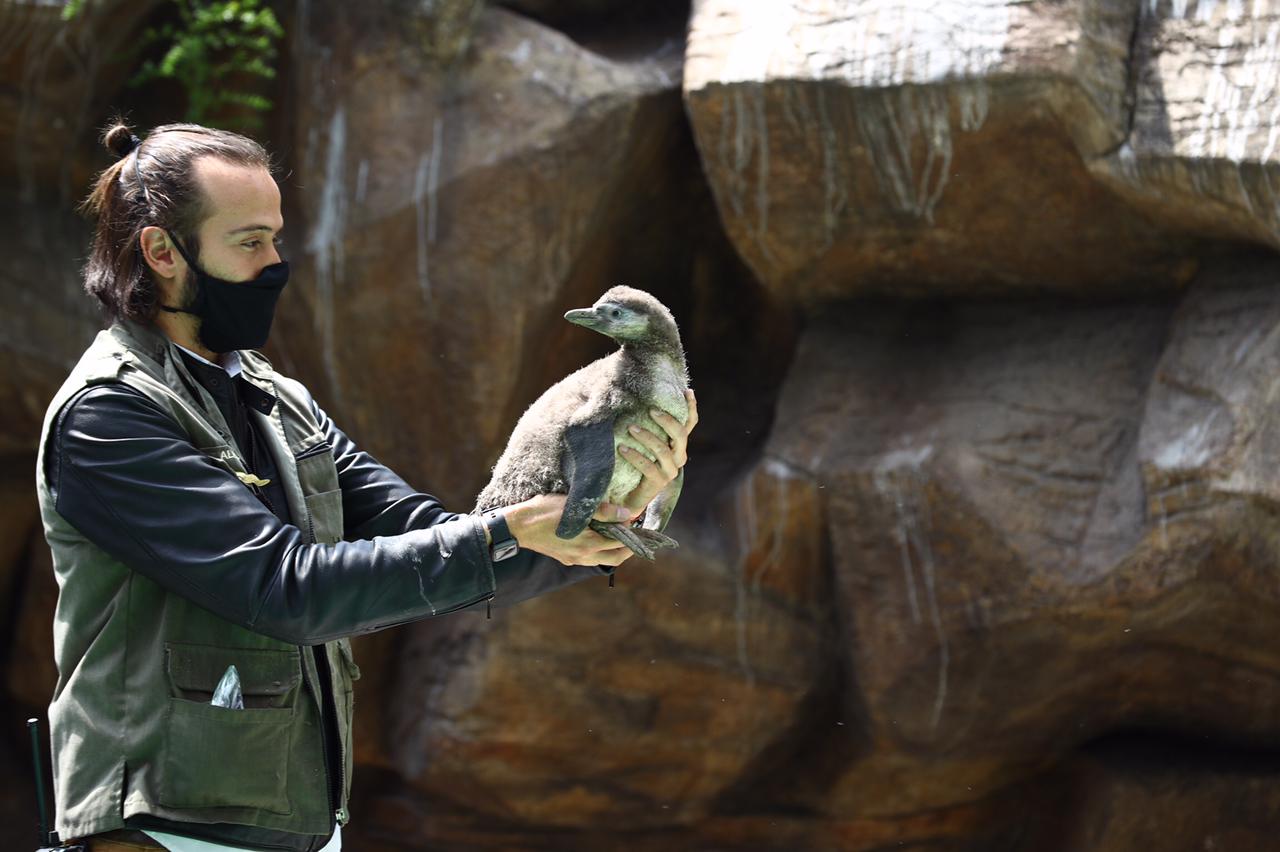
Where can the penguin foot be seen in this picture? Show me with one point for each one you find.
(642, 542)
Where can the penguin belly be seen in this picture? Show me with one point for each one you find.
(668, 396)
(625, 476)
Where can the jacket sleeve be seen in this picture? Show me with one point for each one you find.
(375, 501)
(127, 477)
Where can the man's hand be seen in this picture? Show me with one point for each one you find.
(670, 456)
(533, 524)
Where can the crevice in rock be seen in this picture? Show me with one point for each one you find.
(1143, 749)
(619, 31)
(1132, 68)
(1103, 793)
(827, 733)
(18, 585)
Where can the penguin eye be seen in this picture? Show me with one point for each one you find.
(616, 313)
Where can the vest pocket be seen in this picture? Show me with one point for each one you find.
(215, 757)
(324, 513)
(219, 758)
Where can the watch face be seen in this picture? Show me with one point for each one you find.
(505, 550)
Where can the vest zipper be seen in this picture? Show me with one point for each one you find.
(329, 709)
(329, 716)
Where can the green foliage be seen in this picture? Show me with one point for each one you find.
(215, 49)
(215, 45)
(72, 9)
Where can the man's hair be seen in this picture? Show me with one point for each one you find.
(166, 194)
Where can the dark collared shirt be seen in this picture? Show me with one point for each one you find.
(235, 396)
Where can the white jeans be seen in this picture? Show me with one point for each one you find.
(174, 843)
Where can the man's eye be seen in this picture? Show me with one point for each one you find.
(252, 244)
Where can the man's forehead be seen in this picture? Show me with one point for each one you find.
(237, 196)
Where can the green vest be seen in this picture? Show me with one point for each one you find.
(133, 731)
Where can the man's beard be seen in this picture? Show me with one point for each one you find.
(187, 293)
(187, 290)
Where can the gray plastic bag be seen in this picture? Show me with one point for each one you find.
(228, 693)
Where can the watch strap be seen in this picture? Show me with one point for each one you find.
(502, 544)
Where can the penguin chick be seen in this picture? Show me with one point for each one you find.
(567, 440)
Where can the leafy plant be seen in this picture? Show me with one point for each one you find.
(215, 50)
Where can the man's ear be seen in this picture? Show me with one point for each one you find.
(159, 253)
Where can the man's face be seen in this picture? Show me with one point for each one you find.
(237, 240)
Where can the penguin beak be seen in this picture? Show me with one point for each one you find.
(585, 317)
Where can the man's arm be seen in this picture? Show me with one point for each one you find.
(127, 477)
(377, 502)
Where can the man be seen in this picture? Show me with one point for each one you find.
(204, 513)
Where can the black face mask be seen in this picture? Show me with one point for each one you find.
(233, 314)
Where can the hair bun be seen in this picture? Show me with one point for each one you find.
(120, 140)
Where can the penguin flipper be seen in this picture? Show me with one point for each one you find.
(588, 468)
(660, 508)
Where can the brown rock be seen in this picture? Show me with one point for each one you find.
(31, 674)
(570, 10)
(19, 514)
(613, 27)
(882, 150)
(40, 284)
(405, 822)
(1004, 588)
(55, 80)
(1142, 792)
(1210, 437)
(445, 34)
(1202, 156)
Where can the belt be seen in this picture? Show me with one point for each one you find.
(122, 840)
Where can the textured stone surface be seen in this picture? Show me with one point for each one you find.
(1143, 790)
(1210, 436)
(30, 673)
(1008, 584)
(885, 148)
(18, 516)
(1202, 155)
(50, 318)
(56, 79)
(616, 14)
(619, 30)
(401, 821)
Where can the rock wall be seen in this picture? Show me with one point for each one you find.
(980, 530)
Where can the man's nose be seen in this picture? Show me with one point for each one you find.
(275, 256)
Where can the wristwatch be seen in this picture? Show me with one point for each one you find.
(501, 545)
